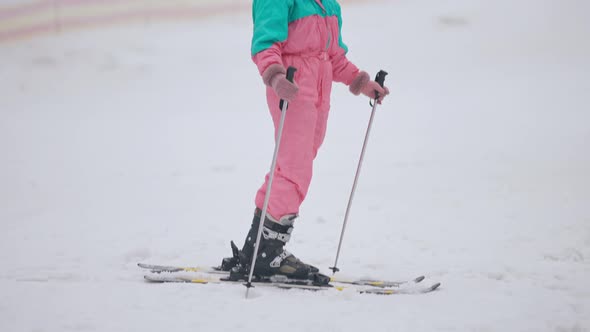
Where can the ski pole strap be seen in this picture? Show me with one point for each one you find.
(380, 79)
(290, 75)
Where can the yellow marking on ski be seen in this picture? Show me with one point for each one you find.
(191, 269)
(340, 288)
(389, 292)
(200, 281)
(370, 283)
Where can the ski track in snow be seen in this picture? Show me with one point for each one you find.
(147, 143)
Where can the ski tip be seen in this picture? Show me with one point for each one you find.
(150, 280)
(419, 279)
(435, 286)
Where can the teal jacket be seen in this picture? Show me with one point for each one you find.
(304, 29)
(271, 19)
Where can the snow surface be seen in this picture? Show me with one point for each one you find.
(147, 143)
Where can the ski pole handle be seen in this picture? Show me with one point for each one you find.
(290, 75)
(380, 78)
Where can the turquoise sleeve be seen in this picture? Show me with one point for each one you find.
(340, 42)
(271, 23)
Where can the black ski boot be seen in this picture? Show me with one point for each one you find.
(272, 258)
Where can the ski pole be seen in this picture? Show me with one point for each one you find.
(380, 78)
(283, 105)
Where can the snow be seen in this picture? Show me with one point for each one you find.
(147, 142)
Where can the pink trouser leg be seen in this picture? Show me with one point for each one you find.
(303, 134)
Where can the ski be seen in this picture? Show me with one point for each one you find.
(209, 279)
(392, 291)
(217, 271)
(378, 283)
(288, 284)
(169, 268)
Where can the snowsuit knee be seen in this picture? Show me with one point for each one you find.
(304, 34)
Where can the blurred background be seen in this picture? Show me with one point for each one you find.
(22, 19)
(137, 131)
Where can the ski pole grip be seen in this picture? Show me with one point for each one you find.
(290, 76)
(291, 73)
(380, 79)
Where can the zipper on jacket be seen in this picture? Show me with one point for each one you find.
(328, 31)
(319, 2)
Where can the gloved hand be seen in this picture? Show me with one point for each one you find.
(275, 77)
(363, 84)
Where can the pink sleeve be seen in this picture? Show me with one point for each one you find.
(343, 70)
(267, 57)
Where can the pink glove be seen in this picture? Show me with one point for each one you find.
(363, 84)
(275, 77)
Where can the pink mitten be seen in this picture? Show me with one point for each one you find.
(275, 77)
(363, 84)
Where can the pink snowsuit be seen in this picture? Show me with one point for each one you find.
(312, 47)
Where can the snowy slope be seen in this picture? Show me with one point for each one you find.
(148, 142)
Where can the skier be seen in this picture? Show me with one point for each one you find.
(304, 34)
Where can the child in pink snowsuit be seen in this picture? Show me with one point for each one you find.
(304, 34)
